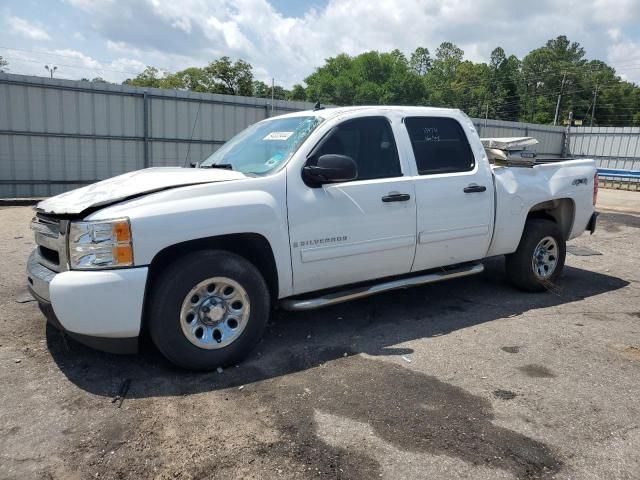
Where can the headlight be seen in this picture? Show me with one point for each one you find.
(100, 244)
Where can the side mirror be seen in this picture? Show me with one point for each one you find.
(330, 168)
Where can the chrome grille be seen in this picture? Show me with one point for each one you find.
(51, 238)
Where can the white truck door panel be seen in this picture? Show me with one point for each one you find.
(358, 230)
(454, 194)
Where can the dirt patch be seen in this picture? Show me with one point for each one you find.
(409, 410)
(632, 352)
(536, 371)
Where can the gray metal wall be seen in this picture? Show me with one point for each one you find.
(56, 135)
(551, 138)
(611, 147)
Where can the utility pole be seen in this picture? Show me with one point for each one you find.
(486, 115)
(566, 145)
(51, 69)
(273, 87)
(593, 111)
(555, 118)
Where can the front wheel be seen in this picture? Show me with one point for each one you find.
(540, 256)
(208, 310)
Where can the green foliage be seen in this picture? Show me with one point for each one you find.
(94, 80)
(369, 78)
(3, 64)
(506, 88)
(150, 77)
(220, 76)
(297, 93)
(420, 61)
(262, 90)
(231, 78)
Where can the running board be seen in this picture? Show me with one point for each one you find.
(360, 292)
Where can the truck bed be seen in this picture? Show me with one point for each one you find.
(547, 182)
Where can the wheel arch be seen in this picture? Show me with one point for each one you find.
(252, 246)
(560, 211)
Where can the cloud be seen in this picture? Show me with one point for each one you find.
(73, 64)
(173, 35)
(289, 48)
(22, 27)
(625, 58)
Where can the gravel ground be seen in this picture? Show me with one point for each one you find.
(464, 379)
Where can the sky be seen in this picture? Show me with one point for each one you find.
(288, 39)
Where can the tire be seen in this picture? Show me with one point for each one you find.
(533, 276)
(198, 300)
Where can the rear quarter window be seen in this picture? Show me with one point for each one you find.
(439, 145)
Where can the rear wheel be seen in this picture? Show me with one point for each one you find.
(540, 256)
(209, 309)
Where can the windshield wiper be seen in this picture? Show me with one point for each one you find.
(224, 166)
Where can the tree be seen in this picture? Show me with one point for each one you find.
(150, 77)
(369, 78)
(94, 80)
(399, 56)
(3, 64)
(297, 93)
(439, 79)
(420, 61)
(231, 78)
(193, 78)
(262, 90)
(505, 87)
(503, 100)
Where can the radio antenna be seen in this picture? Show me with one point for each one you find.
(193, 129)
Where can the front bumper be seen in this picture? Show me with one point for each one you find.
(102, 309)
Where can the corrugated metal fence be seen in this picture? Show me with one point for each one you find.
(56, 134)
(611, 147)
(551, 138)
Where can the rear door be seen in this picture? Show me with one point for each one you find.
(454, 194)
(357, 230)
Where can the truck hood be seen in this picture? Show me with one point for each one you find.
(130, 185)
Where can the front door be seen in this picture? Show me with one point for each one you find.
(454, 194)
(358, 230)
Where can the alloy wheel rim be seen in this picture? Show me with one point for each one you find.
(214, 313)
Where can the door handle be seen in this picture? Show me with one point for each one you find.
(396, 197)
(475, 189)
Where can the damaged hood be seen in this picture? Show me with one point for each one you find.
(132, 184)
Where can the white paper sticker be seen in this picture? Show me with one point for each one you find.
(278, 136)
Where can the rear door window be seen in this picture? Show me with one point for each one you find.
(439, 145)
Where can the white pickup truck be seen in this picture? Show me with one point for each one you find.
(303, 210)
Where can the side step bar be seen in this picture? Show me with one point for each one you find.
(365, 291)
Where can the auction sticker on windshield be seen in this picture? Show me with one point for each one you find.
(278, 136)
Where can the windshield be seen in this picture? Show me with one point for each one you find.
(264, 146)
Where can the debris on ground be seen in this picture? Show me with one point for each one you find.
(632, 352)
(514, 349)
(219, 370)
(124, 388)
(406, 359)
(581, 251)
(504, 394)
